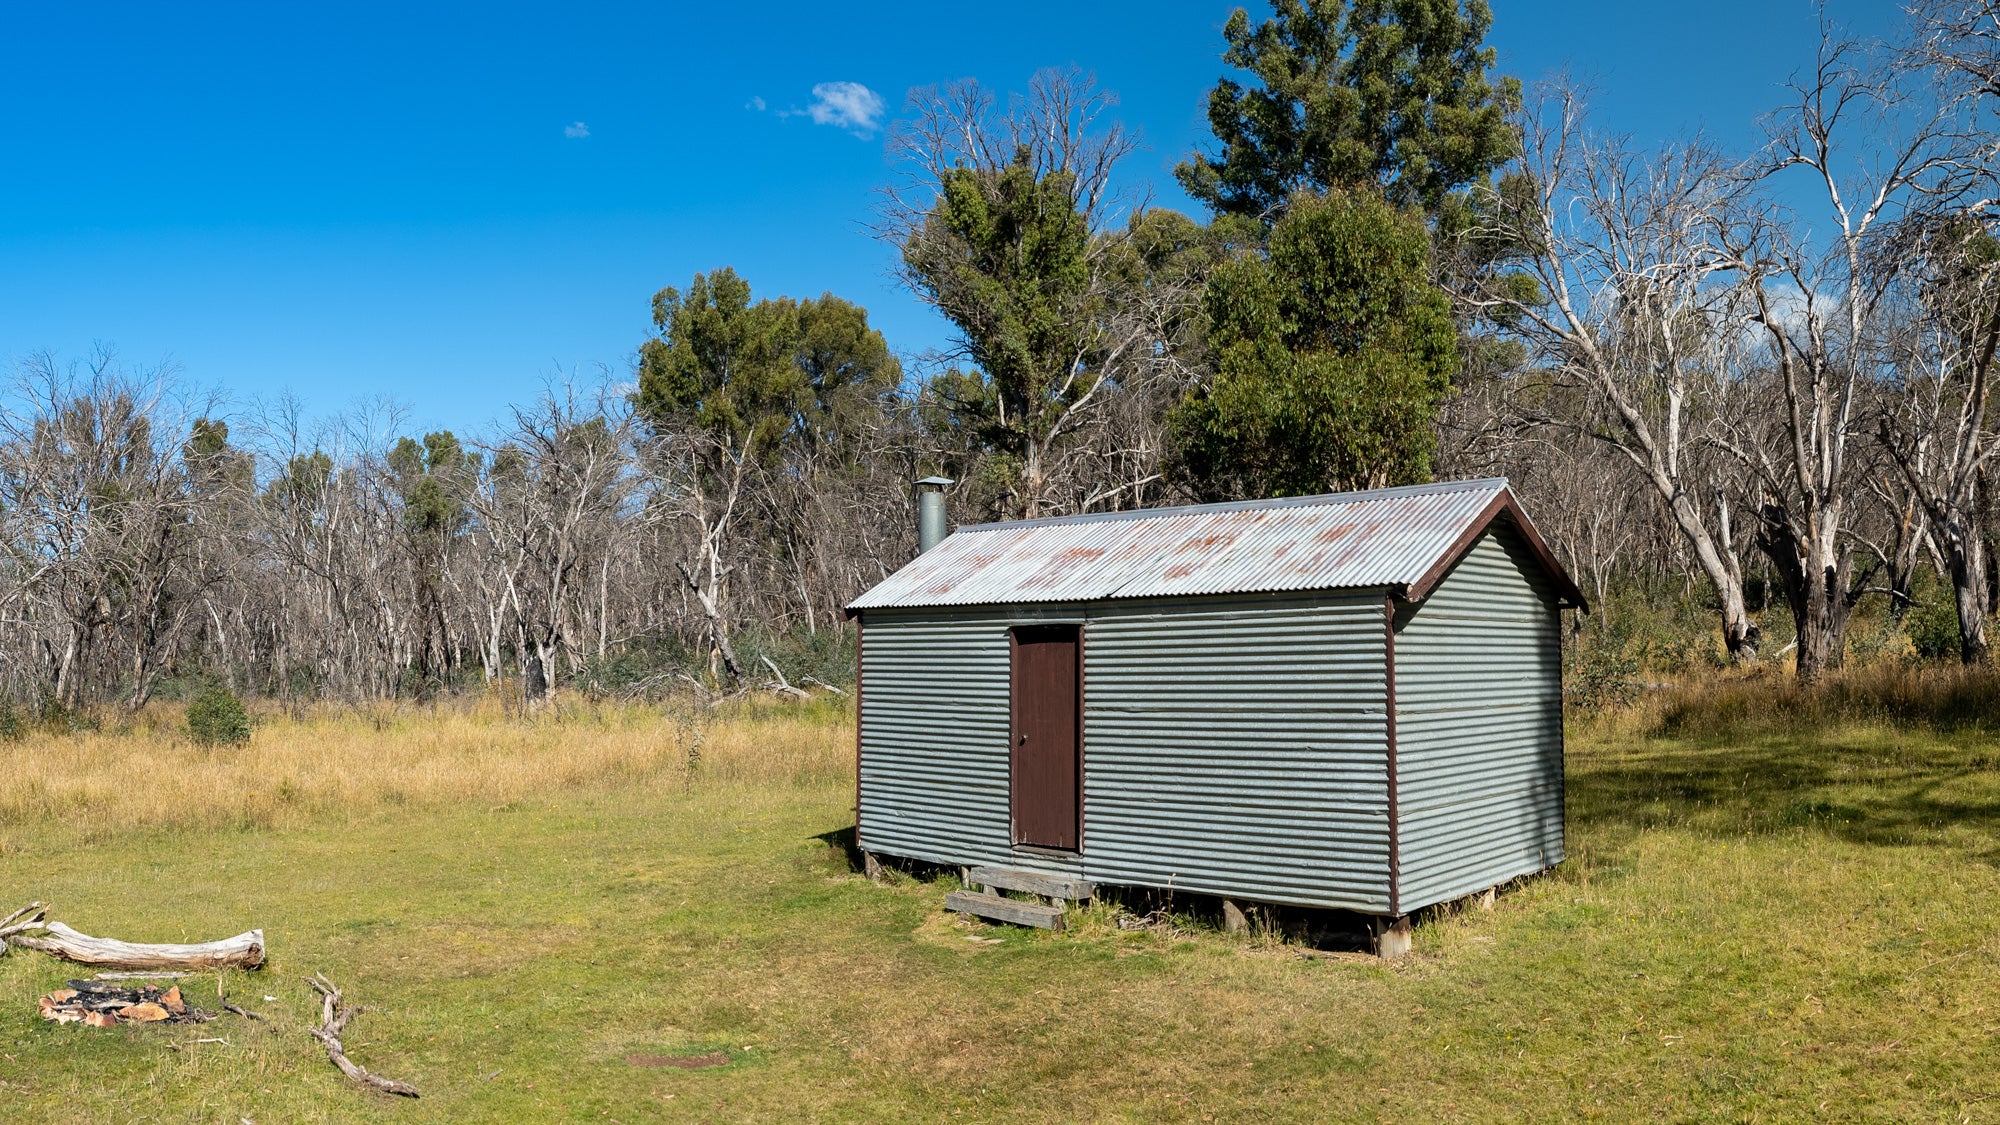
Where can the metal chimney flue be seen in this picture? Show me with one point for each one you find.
(930, 512)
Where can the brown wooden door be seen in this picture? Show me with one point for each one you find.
(1047, 735)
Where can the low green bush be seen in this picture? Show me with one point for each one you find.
(215, 717)
(1933, 626)
(1598, 676)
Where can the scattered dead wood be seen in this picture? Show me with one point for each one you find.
(1158, 920)
(782, 684)
(223, 1002)
(244, 951)
(102, 1004)
(333, 1019)
(28, 917)
(233, 1009)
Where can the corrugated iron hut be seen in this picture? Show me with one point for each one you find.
(1349, 701)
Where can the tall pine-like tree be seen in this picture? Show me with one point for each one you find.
(1389, 93)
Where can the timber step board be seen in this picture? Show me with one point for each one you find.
(1032, 882)
(1005, 909)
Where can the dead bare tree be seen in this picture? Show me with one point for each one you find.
(1624, 299)
(101, 533)
(1938, 428)
(1867, 141)
(560, 479)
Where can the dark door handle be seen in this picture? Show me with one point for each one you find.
(1022, 741)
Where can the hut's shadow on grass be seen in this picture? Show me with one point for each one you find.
(842, 841)
(1876, 784)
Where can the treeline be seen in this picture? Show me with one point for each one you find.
(1733, 372)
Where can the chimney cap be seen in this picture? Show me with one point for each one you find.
(936, 482)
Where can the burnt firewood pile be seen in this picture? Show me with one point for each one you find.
(103, 1003)
(135, 995)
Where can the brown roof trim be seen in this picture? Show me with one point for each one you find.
(1568, 596)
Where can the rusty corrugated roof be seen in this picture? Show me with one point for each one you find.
(1391, 538)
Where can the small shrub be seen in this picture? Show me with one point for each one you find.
(1872, 641)
(215, 717)
(1599, 677)
(1682, 655)
(55, 716)
(1933, 627)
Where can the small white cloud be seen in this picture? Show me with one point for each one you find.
(846, 105)
(756, 104)
(576, 130)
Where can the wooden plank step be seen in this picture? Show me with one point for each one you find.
(1005, 909)
(1033, 882)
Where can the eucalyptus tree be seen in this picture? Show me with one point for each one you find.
(728, 390)
(1869, 143)
(1332, 350)
(1628, 302)
(836, 467)
(434, 480)
(1066, 317)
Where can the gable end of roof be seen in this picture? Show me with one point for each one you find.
(1502, 507)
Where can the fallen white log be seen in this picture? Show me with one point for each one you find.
(244, 951)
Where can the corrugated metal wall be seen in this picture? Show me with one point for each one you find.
(1479, 727)
(1240, 748)
(1231, 746)
(934, 780)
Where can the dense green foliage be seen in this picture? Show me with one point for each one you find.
(754, 375)
(1332, 353)
(1386, 93)
(215, 717)
(434, 480)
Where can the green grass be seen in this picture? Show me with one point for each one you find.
(1794, 923)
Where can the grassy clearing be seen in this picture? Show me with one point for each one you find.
(1801, 921)
(332, 763)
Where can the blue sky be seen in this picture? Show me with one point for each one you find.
(449, 204)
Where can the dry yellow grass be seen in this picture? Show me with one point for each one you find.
(1768, 699)
(148, 774)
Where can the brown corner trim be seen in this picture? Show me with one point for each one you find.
(1568, 595)
(1389, 699)
(1562, 732)
(858, 625)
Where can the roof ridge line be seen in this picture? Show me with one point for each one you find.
(1319, 499)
